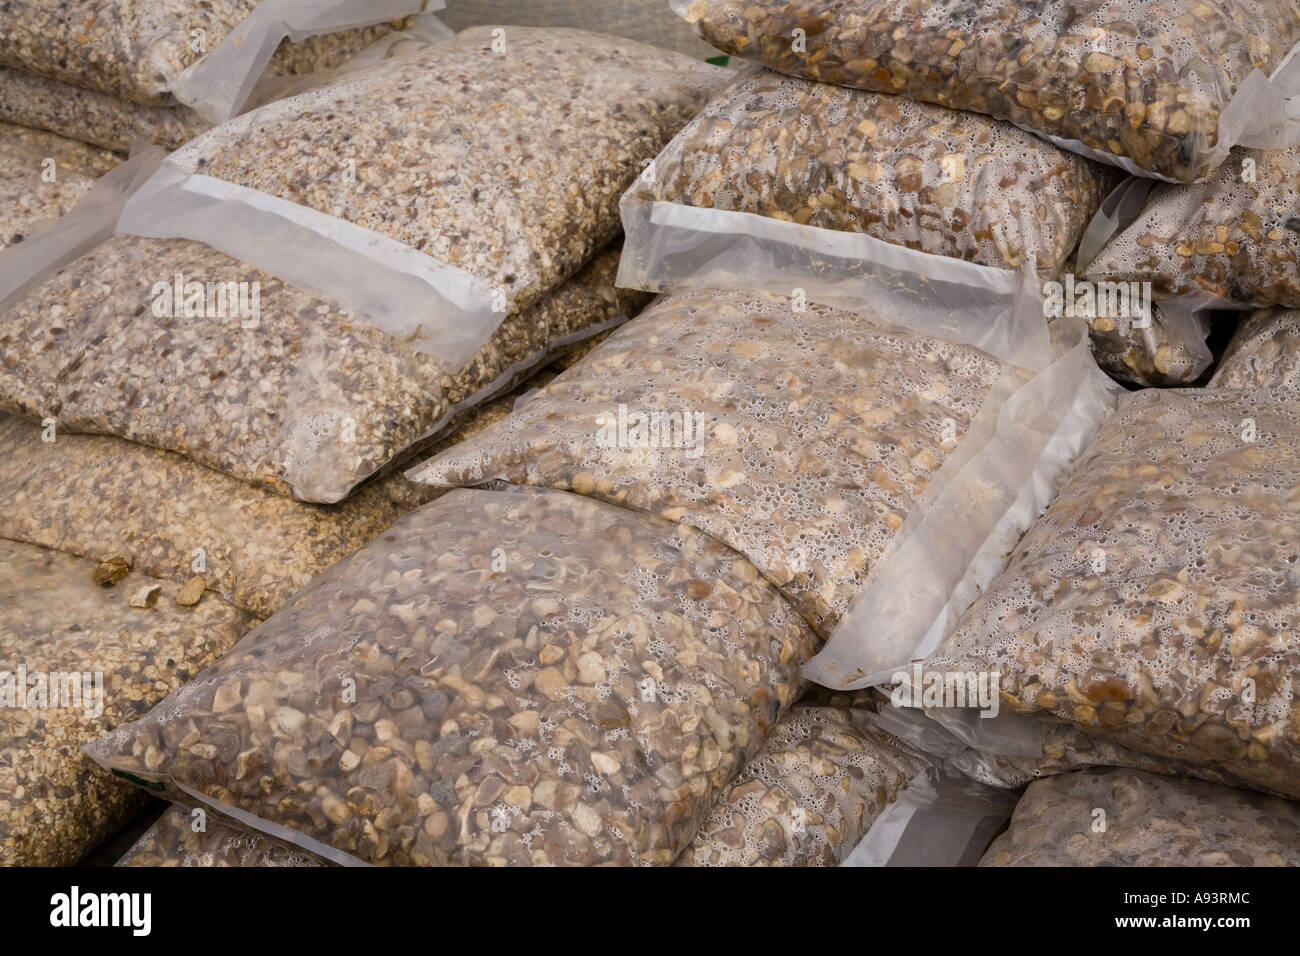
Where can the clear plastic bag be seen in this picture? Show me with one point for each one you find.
(517, 677)
(292, 395)
(441, 190)
(117, 124)
(814, 790)
(204, 54)
(1154, 604)
(939, 181)
(77, 660)
(1264, 352)
(805, 440)
(1160, 87)
(42, 176)
(1155, 344)
(101, 497)
(174, 842)
(92, 117)
(1129, 818)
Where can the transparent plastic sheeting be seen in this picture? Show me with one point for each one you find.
(958, 535)
(54, 244)
(671, 247)
(219, 85)
(429, 305)
(941, 819)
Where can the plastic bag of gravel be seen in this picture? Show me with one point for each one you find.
(833, 173)
(206, 55)
(1162, 88)
(819, 783)
(288, 393)
(1232, 242)
(99, 497)
(838, 455)
(1154, 604)
(42, 176)
(434, 193)
(1264, 352)
(518, 677)
(190, 837)
(77, 659)
(1128, 818)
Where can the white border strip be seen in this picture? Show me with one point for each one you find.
(431, 306)
(673, 247)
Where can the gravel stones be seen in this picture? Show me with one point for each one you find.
(810, 795)
(1234, 238)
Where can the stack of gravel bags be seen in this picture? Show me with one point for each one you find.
(154, 526)
(237, 391)
(1127, 818)
(159, 513)
(117, 72)
(331, 277)
(1163, 90)
(42, 176)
